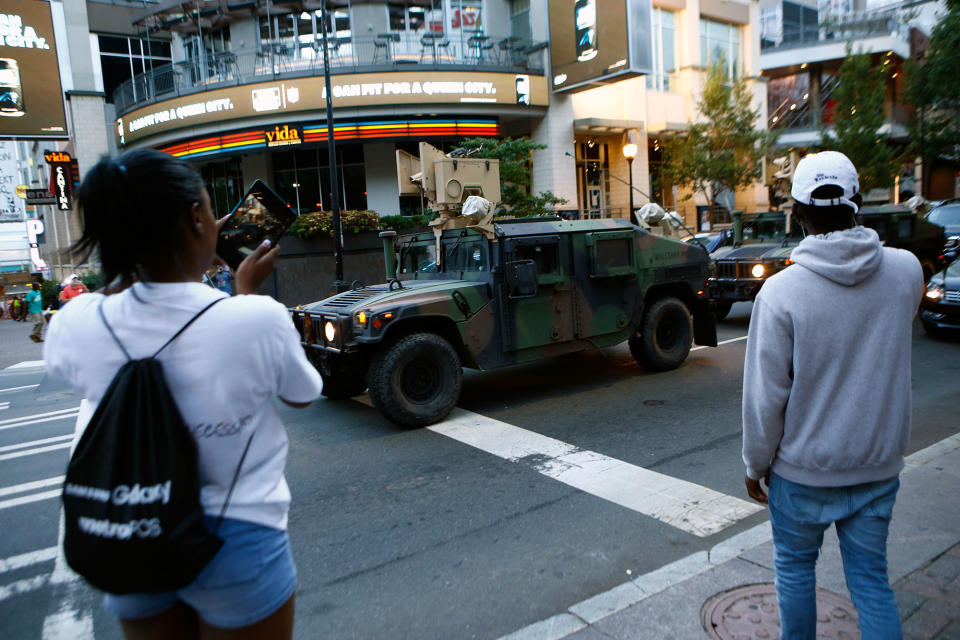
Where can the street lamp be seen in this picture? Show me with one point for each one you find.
(296, 187)
(630, 152)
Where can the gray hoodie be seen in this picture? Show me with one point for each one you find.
(826, 380)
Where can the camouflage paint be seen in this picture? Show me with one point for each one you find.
(587, 300)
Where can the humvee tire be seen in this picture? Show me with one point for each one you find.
(416, 381)
(342, 387)
(666, 331)
(722, 310)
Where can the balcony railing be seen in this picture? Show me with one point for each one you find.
(838, 28)
(387, 52)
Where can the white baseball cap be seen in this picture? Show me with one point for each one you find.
(819, 169)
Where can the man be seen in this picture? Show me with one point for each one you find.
(15, 308)
(72, 290)
(222, 280)
(35, 309)
(826, 398)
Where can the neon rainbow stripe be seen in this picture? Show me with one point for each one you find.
(360, 130)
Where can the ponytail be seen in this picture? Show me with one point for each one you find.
(132, 207)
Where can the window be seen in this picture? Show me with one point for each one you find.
(720, 41)
(664, 49)
(416, 17)
(122, 58)
(520, 20)
(545, 256)
(302, 178)
(300, 35)
(611, 253)
(224, 182)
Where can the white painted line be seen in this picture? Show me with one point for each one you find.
(721, 343)
(28, 364)
(4, 405)
(20, 587)
(36, 497)
(39, 415)
(27, 559)
(32, 452)
(55, 481)
(558, 626)
(26, 386)
(68, 624)
(35, 443)
(649, 584)
(678, 503)
(39, 420)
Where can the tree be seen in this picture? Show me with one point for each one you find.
(724, 150)
(932, 88)
(858, 117)
(514, 157)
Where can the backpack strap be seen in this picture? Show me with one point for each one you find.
(233, 483)
(184, 327)
(110, 329)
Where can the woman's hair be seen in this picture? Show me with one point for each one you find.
(132, 207)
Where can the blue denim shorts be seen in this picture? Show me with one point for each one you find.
(250, 578)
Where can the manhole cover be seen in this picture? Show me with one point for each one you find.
(751, 613)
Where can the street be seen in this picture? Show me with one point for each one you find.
(545, 487)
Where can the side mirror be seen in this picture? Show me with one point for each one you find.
(521, 278)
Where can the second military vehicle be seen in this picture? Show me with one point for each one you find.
(486, 293)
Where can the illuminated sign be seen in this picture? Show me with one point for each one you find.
(598, 41)
(347, 90)
(39, 196)
(53, 157)
(62, 190)
(31, 99)
(282, 137)
(317, 133)
(34, 233)
(11, 207)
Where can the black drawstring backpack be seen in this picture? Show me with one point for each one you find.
(131, 496)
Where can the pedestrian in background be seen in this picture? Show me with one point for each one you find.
(15, 308)
(223, 372)
(828, 336)
(223, 280)
(35, 309)
(72, 290)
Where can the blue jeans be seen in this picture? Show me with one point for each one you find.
(799, 515)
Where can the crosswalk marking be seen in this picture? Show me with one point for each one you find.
(34, 497)
(26, 559)
(26, 386)
(4, 405)
(678, 503)
(722, 342)
(55, 481)
(35, 443)
(58, 412)
(35, 451)
(24, 421)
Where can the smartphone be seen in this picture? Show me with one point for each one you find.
(261, 215)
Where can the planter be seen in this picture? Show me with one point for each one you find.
(323, 244)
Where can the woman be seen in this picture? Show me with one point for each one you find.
(148, 217)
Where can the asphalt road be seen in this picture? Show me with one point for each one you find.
(413, 534)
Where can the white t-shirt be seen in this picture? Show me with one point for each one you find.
(224, 372)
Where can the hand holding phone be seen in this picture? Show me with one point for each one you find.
(261, 215)
(255, 268)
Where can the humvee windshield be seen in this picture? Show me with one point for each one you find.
(463, 253)
(770, 228)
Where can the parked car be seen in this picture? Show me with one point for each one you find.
(940, 307)
(947, 215)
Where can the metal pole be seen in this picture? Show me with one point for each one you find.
(630, 169)
(338, 284)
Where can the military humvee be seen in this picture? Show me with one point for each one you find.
(499, 293)
(759, 246)
(741, 268)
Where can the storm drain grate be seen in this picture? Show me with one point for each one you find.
(751, 613)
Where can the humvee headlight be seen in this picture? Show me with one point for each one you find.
(934, 293)
(329, 331)
(757, 270)
(362, 317)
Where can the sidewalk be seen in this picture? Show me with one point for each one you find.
(670, 603)
(16, 345)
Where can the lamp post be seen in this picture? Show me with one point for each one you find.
(339, 285)
(630, 152)
(296, 187)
